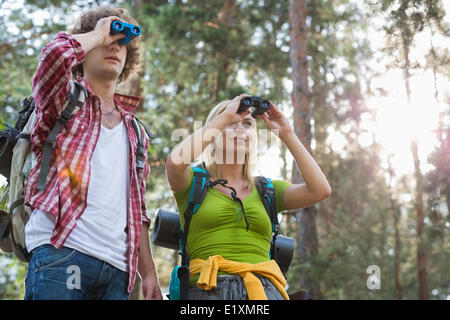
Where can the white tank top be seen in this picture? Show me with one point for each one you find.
(100, 230)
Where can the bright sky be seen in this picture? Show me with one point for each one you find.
(398, 122)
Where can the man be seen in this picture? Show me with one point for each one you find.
(88, 233)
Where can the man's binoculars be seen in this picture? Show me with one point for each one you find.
(131, 31)
(167, 233)
(261, 105)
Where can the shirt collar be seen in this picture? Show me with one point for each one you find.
(126, 103)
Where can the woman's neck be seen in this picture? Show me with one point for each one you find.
(232, 172)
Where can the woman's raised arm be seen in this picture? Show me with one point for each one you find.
(177, 164)
(316, 187)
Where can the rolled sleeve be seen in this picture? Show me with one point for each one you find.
(280, 187)
(51, 84)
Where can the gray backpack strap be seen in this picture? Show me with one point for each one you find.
(74, 102)
(140, 150)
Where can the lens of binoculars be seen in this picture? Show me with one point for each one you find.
(247, 101)
(136, 30)
(117, 26)
(131, 31)
(265, 104)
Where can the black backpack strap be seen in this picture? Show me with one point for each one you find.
(74, 102)
(147, 129)
(10, 136)
(266, 191)
(199, 188)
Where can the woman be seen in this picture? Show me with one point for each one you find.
(221, 234)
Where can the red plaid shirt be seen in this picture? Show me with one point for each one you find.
(68, 176)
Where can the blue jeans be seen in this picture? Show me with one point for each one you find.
(68, 274)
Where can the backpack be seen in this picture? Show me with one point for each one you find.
(17, 161)
(179, 281)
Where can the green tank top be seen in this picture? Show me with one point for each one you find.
(218, 227)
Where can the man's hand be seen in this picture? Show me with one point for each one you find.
(100, 36)
(146, 267)
(150, 288)
(102, 31)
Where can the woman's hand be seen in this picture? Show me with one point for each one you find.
(275, 120)
(230, 112)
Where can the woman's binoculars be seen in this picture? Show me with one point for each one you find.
(130, 30)
(261, 105)
(167, 233)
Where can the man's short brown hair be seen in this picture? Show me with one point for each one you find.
(87, 23)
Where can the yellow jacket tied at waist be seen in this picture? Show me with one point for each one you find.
(208, 275)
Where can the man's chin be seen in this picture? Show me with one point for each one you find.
(109, 74)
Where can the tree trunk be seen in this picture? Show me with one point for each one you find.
(398, 285)
(434, 64)
(396, 214)
(407, 66)
(307, 243)
(447, 200)
(421, 253)
(225, 19)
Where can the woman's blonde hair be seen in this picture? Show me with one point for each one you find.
(209, 154)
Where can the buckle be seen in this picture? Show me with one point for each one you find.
(140, 164)
(65, 116)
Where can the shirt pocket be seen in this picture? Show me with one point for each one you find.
(72, 133)
(76, 125)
